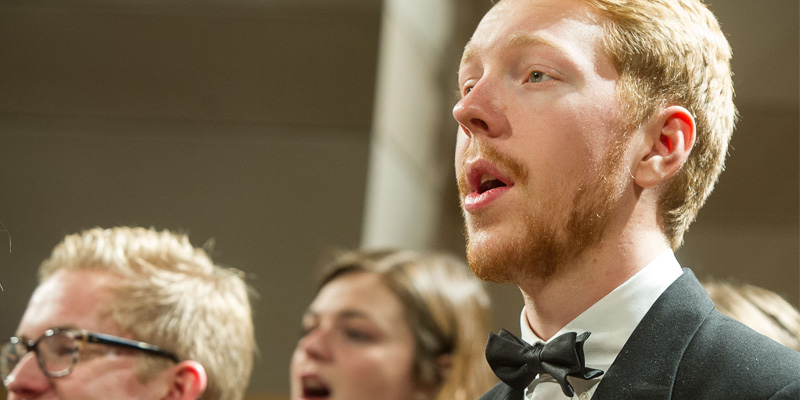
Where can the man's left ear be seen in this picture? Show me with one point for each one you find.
(189, 381)
(669, 142)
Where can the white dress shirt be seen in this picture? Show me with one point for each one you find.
(611, 322)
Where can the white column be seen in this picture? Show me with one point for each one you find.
(407, 175)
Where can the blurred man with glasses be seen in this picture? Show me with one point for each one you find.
(131, 313)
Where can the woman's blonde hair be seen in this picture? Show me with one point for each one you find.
(762, 310)
(447, 310)
(172, 295)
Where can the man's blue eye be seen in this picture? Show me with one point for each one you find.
(539, 76)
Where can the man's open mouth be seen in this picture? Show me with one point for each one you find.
(484, 184)
(489, 182)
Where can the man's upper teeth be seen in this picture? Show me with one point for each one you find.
(487, 177)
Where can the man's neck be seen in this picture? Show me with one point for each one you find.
(553, 302)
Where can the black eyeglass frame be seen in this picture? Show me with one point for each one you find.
(83, 336)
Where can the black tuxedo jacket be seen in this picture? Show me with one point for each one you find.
(684, 349)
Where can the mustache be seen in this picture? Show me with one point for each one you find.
(477, 149)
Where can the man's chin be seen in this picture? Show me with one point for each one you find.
(491, 273)
(491, 264)
(515, 259)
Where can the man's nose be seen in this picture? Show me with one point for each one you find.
(26, 379)
(482, 111)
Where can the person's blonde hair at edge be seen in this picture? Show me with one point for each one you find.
(762, 310)
(447, 310)
(172, 295)
(670, 52)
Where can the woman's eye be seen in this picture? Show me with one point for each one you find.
(539, 76)
(357, 335)
(467, 90)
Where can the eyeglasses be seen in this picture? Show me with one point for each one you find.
(58, 350)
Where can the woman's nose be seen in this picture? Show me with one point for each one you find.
(317, 345)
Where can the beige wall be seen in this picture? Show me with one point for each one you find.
(250, 124)
(245, 122)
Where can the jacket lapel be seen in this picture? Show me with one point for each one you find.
(501, 391)
(647, 364)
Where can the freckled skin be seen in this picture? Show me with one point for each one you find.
(541, 105)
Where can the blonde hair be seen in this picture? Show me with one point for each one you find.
(172, 295)
(673, 52)
(447, 310)
(762, 310)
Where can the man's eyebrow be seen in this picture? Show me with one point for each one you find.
(525, 40)
(60, 328)
(467, 55)
(515, 40)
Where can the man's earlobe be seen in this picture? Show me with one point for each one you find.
(189, 381)
(670, 142)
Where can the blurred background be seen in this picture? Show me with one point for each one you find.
(281, 129)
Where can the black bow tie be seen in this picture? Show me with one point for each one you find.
(517, 363)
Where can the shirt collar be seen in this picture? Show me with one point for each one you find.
(613, 319)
